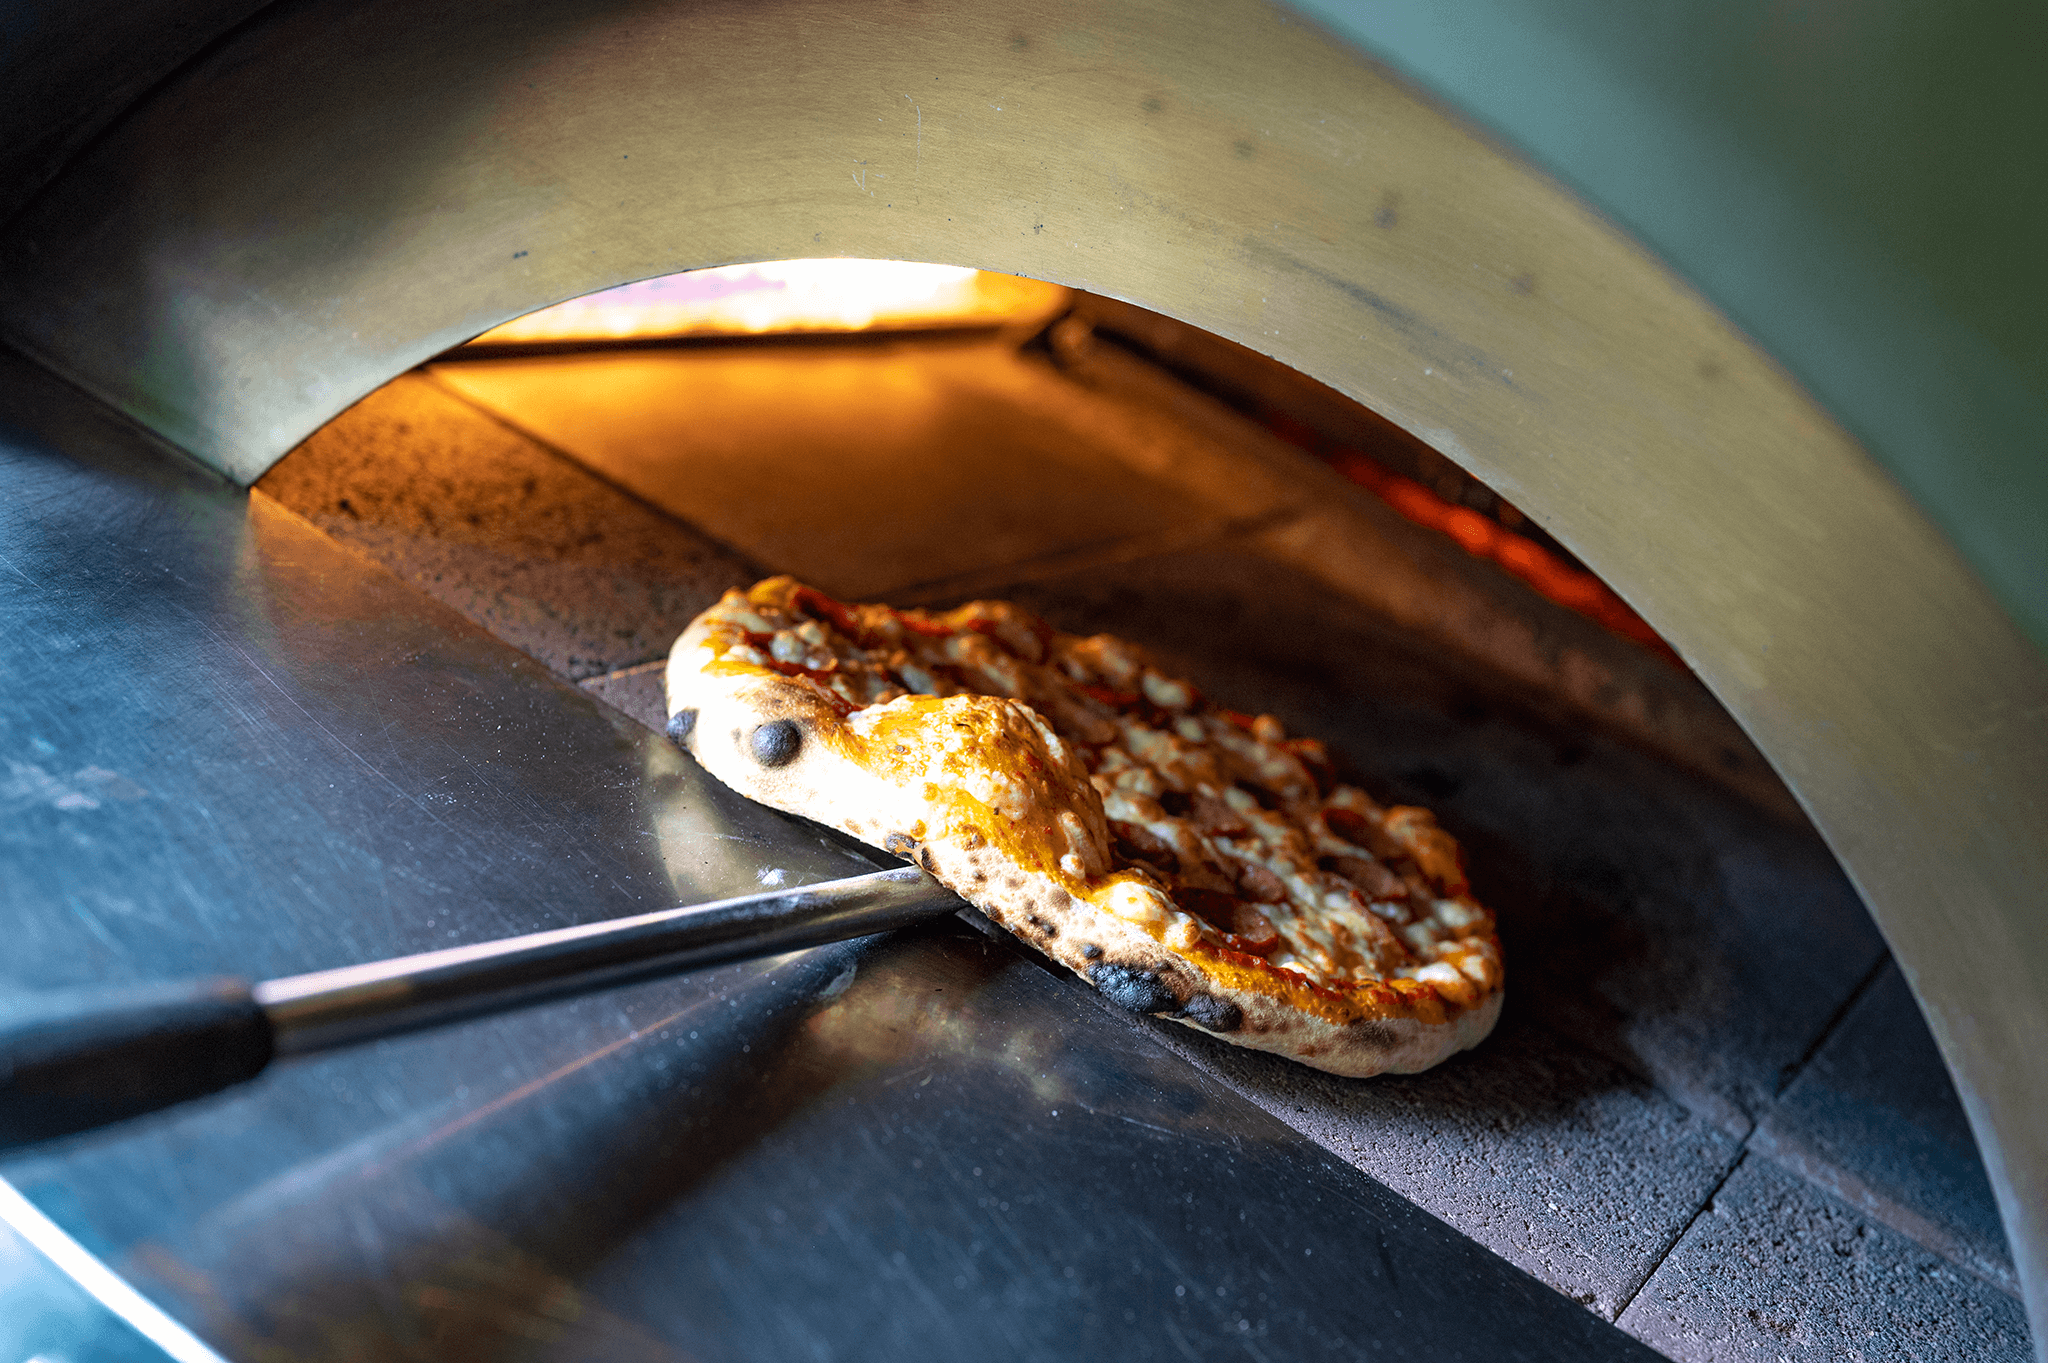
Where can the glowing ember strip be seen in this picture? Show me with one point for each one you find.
(788, 296)
(1483, 537)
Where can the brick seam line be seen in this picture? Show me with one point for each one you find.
(1742, 1157)
(1744, 1152)
(1790, 1073)
(1795, 1157)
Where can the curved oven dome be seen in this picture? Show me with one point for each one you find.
(337, 193)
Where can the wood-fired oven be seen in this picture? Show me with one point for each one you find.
(342, 603)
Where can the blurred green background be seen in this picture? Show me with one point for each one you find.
(1863, 187)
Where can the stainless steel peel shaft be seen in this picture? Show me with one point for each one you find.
(330, 1008)
(75, 1059)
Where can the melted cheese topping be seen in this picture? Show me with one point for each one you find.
(1216, 833)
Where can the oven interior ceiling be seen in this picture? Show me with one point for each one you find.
(1712, 1012)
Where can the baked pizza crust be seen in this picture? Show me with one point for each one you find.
(1188, 861)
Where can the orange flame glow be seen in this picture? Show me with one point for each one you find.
(1483, 537)
(788, 296)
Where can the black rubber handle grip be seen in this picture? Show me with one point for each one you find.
(74, 1059)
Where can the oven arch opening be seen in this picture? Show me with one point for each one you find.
(1117, 470)
(921, 433)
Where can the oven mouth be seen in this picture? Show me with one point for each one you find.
(581, 484)
(928, 434)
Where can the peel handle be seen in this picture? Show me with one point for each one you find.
(74, 1059)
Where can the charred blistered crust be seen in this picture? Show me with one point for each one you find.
(776, 743)
(1190, 863)
(1212, 1014)
(1141, 991)
(1145, 991)
(679, 725)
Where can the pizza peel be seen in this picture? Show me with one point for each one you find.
(75, 1059)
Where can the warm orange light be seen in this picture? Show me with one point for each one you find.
(788, 296)
(1483, 537)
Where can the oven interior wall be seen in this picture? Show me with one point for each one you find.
(1707, 1056)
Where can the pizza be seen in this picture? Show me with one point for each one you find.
(1187, 860)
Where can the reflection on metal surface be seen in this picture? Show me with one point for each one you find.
(988, 1170)
(39, 1319)
(786, 296)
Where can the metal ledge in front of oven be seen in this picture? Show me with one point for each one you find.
(242, 747)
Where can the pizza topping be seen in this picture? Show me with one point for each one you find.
(1374, 879)
(1135, 842)
(1204, 806)
(1062, 777)
(1260, 885)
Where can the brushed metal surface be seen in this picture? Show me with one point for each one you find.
(928, 1146)
(68, 70)
(341, 191)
